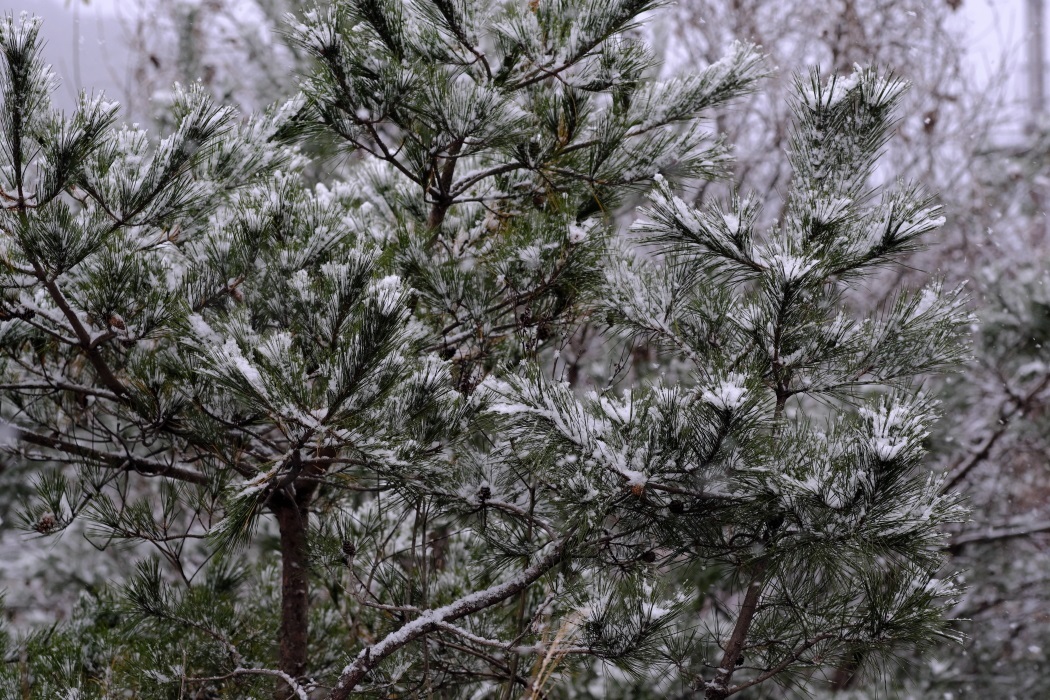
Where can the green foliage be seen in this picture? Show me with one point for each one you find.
(203, 355)
(509, 134)
(793, 438)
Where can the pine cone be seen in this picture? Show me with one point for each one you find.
(46, 524)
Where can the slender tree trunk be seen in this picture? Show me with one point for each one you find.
(444, 184)
(292, 520)
(719, 688)
(1036, 44)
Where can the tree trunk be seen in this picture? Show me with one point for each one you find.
(292, 521)
(444, 184)
(719, 688)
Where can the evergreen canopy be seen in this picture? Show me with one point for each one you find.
(204, 352)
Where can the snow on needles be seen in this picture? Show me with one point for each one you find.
(894, 426)
(387, 293)
(591, 432)
(729, 394)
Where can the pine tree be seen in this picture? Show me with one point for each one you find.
(819, 435)
(949, 137)
(202, 353)
(785, 447)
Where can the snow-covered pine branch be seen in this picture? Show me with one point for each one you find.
(815, 405)
(346, 396)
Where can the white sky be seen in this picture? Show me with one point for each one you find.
(995, 29)
(996, 32)
(83, 45)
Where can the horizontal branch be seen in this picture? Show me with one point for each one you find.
(60, 386)
(114, 460)
(521, 512)
(300, 693)
(484, 641)
(994, 533)
(787, 661)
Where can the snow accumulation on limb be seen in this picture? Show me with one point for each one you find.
(432, 620)
(299, 691)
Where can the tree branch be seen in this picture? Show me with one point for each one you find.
(60, 386)
(115, 460)
(790, 659)
(431, 620)
(288, 680)
(1021, 407)
(994, 533)
(86, 344)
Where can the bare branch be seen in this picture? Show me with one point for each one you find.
(994, 533)
(431, 620)
(115, 460)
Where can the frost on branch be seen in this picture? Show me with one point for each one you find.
(818, 424)
(341, 415)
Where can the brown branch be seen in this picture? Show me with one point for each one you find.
(86, 344)
(431, 620)
(288, 680)
(59, 386)
(444, 200)
(1020, 409)
(489, 659)
(995, 533)
(114, 460)
(719, 689)
(790, 659)
(474, 178)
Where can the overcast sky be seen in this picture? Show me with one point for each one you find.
(99, 60)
